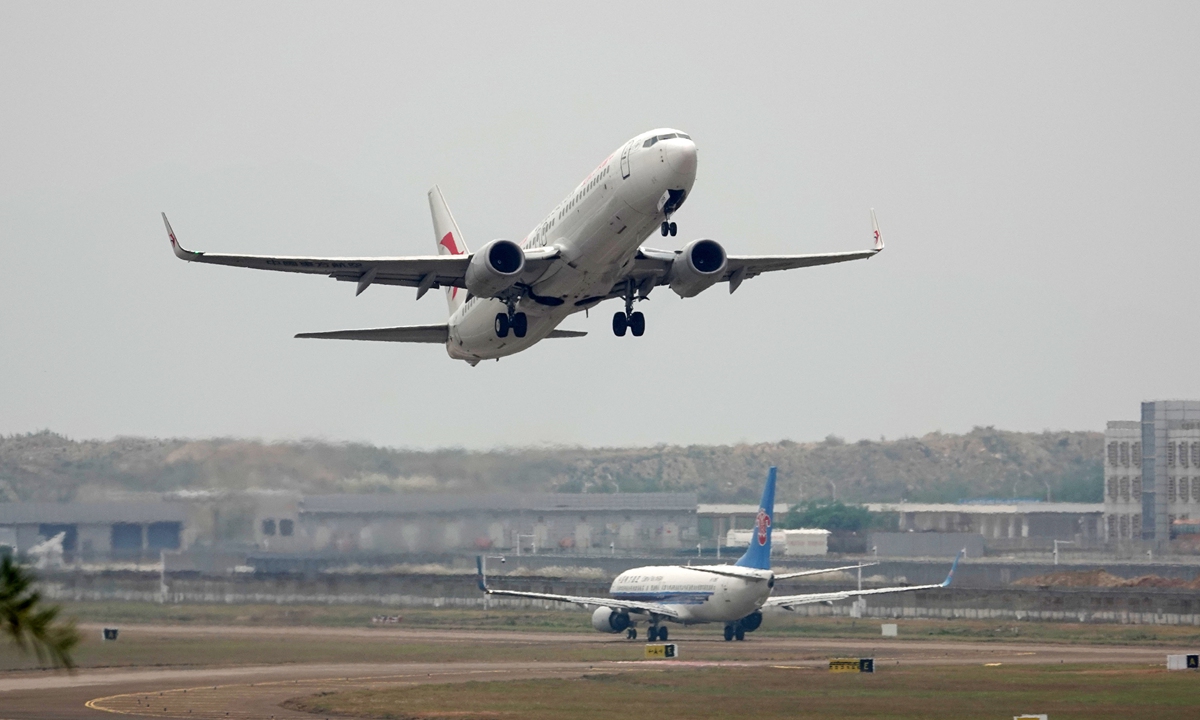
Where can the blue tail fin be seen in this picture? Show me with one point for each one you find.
(758, 555)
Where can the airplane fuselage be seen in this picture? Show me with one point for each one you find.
(698, 596)
(598, 230)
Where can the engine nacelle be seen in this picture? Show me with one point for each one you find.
(607, 620)
(495, 268)
(698, 266)
(751, 622)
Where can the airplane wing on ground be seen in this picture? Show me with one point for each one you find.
(787, 602)
(805, 573)
(424, 272)
(631, 606)
(653, 267)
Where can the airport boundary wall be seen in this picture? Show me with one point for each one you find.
(1155, 606)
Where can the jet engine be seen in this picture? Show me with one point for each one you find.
(751, 622)
(495, 268)
(607, 620)
(698, 266)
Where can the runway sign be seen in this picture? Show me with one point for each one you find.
(110, 633)
(1184, 662)
(664, 651)
(1031, 717)
(866, 665)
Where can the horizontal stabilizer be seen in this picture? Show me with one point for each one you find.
(405, 334)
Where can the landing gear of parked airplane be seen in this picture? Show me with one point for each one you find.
(728, 633)
(631, 634)
(669, 228)
(657, 634)
(739, 633)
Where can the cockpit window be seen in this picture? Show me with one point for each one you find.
(668, 136)
(685, 136)
(650, 142)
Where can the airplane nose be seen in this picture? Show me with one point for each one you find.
(682, 157)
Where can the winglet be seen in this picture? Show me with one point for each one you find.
(950, 576)
(875, 228)
(179, 251)
(479, 578)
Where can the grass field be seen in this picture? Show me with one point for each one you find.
(928, 693)
(537, 620)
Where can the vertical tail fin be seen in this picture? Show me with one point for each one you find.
(758, 555)
(449, 240)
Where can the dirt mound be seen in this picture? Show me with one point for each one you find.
(1103, 579)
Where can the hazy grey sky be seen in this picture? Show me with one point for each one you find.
(1034, 167)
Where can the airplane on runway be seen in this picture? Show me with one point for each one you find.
(507, 296)
(733, 595)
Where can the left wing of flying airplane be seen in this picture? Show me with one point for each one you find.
(628, 605)
(787, 602)
(652, 268)
(424, 272)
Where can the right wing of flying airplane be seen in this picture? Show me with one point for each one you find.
(787, 602)
(652, 268)
(631, 606)
(411, 334)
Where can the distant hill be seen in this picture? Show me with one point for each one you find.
(937, 467)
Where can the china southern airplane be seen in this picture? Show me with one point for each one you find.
(509, 295)
(733, 595)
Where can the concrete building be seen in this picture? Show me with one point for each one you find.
(96, 531)
(1003, 525)
(1152, 471)
(446, 523)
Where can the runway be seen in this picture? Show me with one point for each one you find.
(242, 692)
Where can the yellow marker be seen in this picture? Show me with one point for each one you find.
(662, 652)
(843, 665)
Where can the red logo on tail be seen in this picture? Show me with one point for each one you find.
(450, 244)
(763, 523)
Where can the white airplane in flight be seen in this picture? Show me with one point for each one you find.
(689, 595)
(508, 295)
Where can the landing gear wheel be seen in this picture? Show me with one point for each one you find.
(740, 634)
(652, 634)
(631, 634)
(666, 228)
(501, 325)
(620, 324)
(520, 323)
(728, 633)
(673, 229)
(637, 324)
(662, 634)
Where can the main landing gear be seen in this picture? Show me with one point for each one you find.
(515, 321)
(635, 322)
(669, 228)
(734, 631)
(631, 634)
(657, 634)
